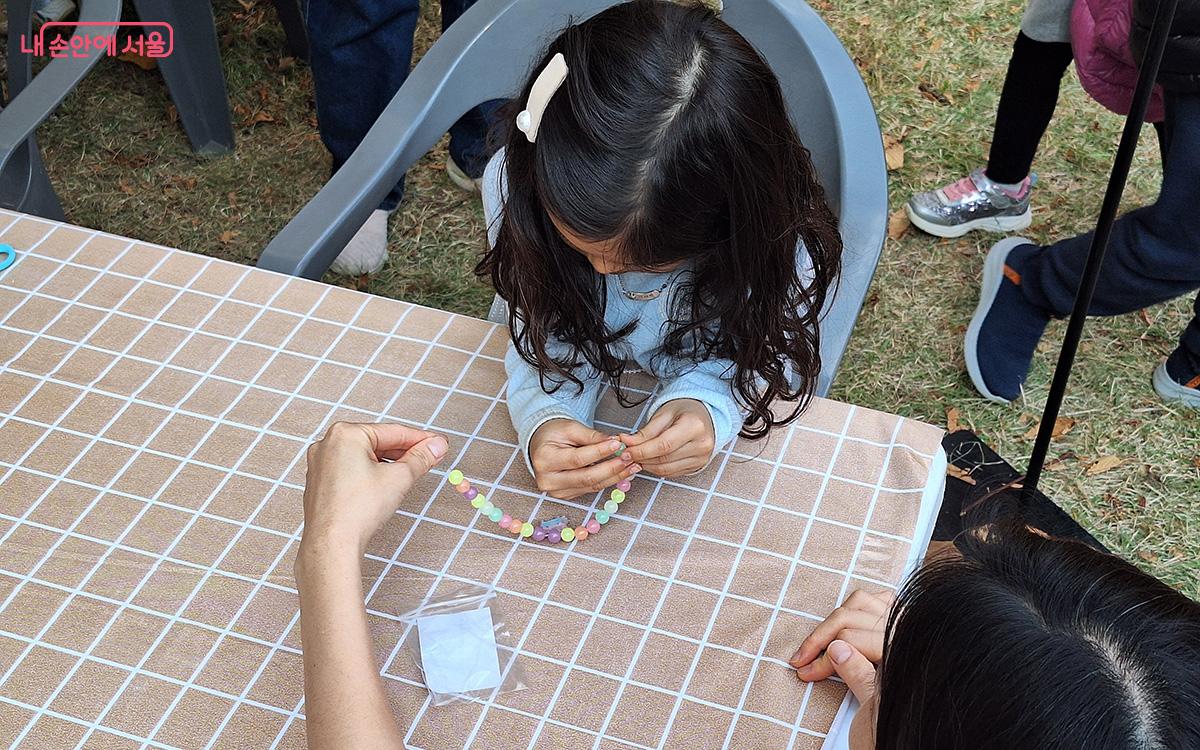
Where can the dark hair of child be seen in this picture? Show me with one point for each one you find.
(671, 136)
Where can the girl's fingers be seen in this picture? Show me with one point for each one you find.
(865, 641)
(672, 439)
(661, 420)
(569, 459)
(592, 478)
(855, 669)
(578, 434)
(677, 468)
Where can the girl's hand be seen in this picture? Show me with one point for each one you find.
(849, 642)
(570, 459)
(349, 491)
(678, 440)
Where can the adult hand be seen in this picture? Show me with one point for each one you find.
(678, 440)
(849, 643)
(570, 459)
(350, 490)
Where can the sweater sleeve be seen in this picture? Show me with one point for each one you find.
(710, 383)
(530, 406)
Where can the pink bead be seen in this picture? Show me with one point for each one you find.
(624, 485)
(505, 521)
(592, 526)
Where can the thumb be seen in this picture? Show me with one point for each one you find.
(855, 669)
(416, 462)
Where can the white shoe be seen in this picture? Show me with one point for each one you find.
(461, 178)
(367, 250)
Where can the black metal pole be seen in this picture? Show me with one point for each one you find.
(1108, 213)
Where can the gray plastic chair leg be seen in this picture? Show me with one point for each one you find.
(24, 184)
(193, 72)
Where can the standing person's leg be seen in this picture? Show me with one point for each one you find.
(1153, 256)
(997, 198)
(468, 137)
(360, 53)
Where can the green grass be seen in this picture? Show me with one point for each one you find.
(122, 164)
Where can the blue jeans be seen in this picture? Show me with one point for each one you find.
(1154, 252)
(361, 52)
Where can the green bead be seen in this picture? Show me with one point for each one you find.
(455, 477)
(479, 501)
(487, 506)
(601, 517)
(610, 506)
(617, 496)
(568, 534)
(618, 453)
(495, 513)
(527, 530)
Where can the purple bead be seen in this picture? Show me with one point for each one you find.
(554, 537)
(539, 535)
(622, 485)
(472, 494)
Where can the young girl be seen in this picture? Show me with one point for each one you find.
(1022, 642)
(658, 212)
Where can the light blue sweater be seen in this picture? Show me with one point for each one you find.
(708, 382)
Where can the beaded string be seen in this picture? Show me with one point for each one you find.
(552, 530)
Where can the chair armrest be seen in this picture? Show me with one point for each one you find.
(485, 54)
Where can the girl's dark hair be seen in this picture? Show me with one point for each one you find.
(1032, 642)
(670, 135)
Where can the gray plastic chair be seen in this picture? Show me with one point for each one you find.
(488, 53)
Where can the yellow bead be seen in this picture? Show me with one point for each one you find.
(455, 477)
(479, 501)
(527, 530)
(617, 496)
(568, 534)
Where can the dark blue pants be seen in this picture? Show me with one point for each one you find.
(1154, 253)
(361, 52)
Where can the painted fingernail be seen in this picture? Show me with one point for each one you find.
(613, 445)
(840, 652)
(626, 457)
(634, 469)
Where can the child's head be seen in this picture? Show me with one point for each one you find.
(668, 143)
(1031, 642)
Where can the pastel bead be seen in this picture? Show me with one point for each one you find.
(592, 526)
(515, 526)
(610, 506)
(463, 487)
(601, 517)
(568, 534)
(539, 534)
(581, 533)
(471, 493)
(478, 501)
(624, 485)
(455, 477)
(527, 530)
(554, 537)
(495, 514)
(617, 496)
(620, 450)
(505, 520)
(487, 507)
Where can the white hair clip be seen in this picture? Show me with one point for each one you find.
(544, 87)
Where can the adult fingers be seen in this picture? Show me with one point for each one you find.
(855, 669)
(865, 641)
(844, 617)
(391, 436)
(415, 463)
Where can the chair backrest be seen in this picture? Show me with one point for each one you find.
(488, 54)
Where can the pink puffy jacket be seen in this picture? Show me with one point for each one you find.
(1100, 42)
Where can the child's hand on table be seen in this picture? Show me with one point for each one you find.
(678, 440)
(570, 459)
(849, 643)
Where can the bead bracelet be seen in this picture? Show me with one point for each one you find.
(552, 530)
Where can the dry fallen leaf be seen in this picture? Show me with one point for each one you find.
(1148, 556)
(227, 236)
(893, 152)
(1062, 426)
(1103, 464)
(1145, 316)
(952, 419)
(143, 62)
(1196, 462)
(898, 224)
(957, 473)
